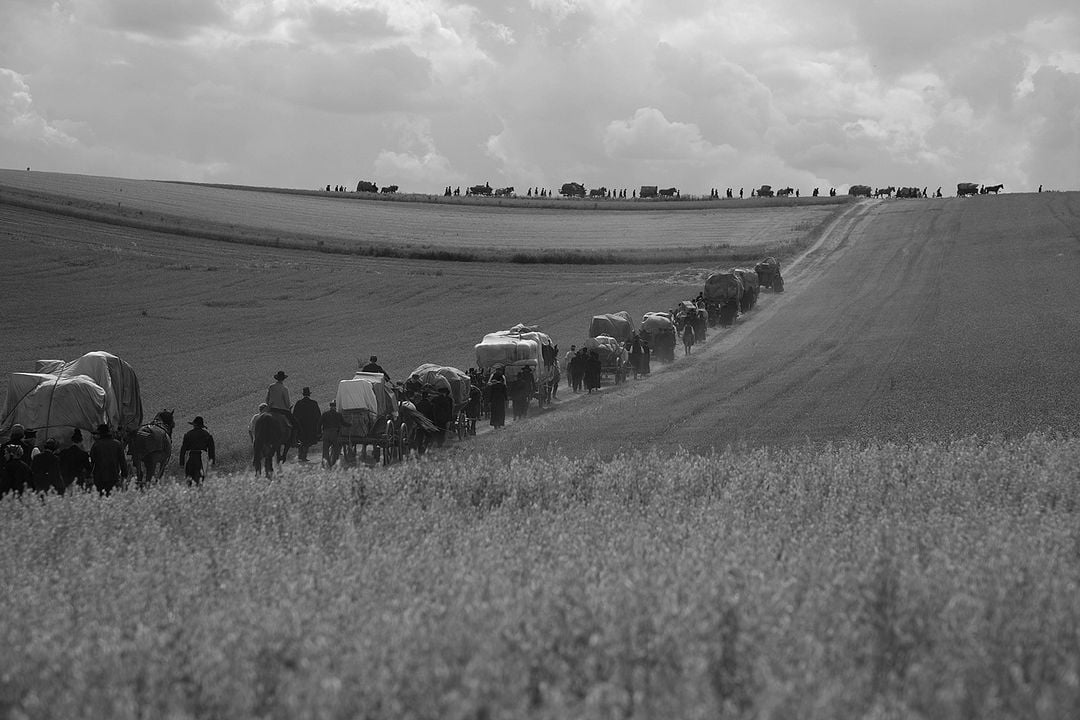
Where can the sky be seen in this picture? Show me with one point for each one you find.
(694, 94)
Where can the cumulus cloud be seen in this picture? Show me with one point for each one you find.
(20, 120)
(720, 93)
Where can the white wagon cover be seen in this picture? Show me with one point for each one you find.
(514, 349)
(366, 391)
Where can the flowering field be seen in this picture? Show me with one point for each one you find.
(937, 580)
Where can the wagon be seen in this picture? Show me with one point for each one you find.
(459, 385)
(614, 360)
(658, 328)
(519, 347)
(370, 408)
(768, 272)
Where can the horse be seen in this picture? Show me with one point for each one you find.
(150, 447)
(992, 189)
(273, 434)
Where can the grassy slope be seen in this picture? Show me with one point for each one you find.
(469, 231)
(880, 580)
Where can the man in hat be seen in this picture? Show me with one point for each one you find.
(75, 462)
(277, 395)
(307, 413)
(197, 441)
(331, 423)
(277, 400)
(373, 366)
(107, 457)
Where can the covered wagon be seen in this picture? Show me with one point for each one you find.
(723, 295)
(370, 408)
(751, 287)
(59, 397)
(517, 348)
(768, 272)
(459, 385)
(617, 325)
(614, 359)
(658, 329)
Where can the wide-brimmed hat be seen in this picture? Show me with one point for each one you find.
(306, 391)
(51, 444)
(102, 431)
(198, 421)
(280, 375)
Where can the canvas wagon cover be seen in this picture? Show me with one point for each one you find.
(445, 376)
(723, 286)
(366, 391)
(617, 325)
(513, 349)
(117, 380)
(610, 350)
(656, 322)
(53, 405)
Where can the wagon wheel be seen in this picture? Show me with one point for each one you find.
(461, 424)
(386, 443)
(403, 441)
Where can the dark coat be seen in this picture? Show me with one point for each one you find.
(110, 465)
(45, 471)
(196, 440)
(497, 395)
(442, 410)
(16, 477)
(74, 465)
(308, 417)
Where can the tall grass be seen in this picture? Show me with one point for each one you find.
(820, 582)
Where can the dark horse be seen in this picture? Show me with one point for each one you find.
(274, 434)
(150, 447)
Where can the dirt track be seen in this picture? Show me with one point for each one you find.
(914, 320)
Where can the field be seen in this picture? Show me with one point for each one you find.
(478, 230)
(860, 501)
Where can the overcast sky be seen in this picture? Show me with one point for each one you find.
(428, 93)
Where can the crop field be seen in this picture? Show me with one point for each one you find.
(860, 501)
(467, 230)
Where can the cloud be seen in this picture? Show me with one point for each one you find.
(717, 93)
(20, 120)
(650, 136)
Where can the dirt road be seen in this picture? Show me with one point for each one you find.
(914, 320)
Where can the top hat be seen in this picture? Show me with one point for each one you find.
(280, 375)
(306, 391)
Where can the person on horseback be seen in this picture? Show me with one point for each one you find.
(277, 400)
(197, 440)
(373, 366)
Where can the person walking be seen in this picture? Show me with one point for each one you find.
(45, 470)
(263, 409)
(75, 468)
(197, 441)
(688, 337)
(577, 370)
(107, 458)
(15, 476)
(331, 423)
(308, 414)
(497, 397)
(593, 368)
(442, 411)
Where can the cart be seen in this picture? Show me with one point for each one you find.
(614, 360)
(459, 384)
(371, 410)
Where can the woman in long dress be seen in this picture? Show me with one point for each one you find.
(497, 396)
